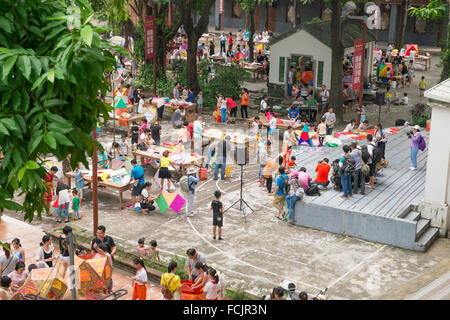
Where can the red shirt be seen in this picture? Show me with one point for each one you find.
(322, 170)
(230, 41)
(190, 129)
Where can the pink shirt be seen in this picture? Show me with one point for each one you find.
(304, 178)
(143, 127)
(17, 279)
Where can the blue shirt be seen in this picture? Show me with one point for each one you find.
(282, 178)
(138, 172)
(193, 179)
(190, 97)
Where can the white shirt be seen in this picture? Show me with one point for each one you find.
(263, 105)
(287, 137)
(63, 197)
(144, 193)
(348, 128)
(324, 95)
(141, 106)
(40, 253)
(273, 123)
(143, 137)
(291, 74)
(211, 290)
(141, 277)
(255, 128)
(405, 100)
(223, 104)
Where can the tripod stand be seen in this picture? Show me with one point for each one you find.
(241, 201)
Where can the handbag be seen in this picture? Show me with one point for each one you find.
(365, 168)
(165, 290)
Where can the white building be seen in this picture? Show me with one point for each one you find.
(435, 205)
(313, 40)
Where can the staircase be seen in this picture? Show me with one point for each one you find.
(425, 233)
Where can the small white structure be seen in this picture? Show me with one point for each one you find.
(313, 39)
(435, 205)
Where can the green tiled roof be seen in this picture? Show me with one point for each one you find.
(351, 30)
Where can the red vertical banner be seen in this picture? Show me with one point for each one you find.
(220, 6)
(169, 14)
(149, 37)
(358, 63)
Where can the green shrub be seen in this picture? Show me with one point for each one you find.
(420, 114)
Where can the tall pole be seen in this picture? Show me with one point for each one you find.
(71, 266)
(155, 48)
(94, 184)
(114, 112)
(361, 86)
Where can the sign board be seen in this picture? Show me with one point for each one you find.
(358, 62)
(149, 37)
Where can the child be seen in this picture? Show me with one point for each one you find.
(123, 145)
(363, 125)
(217, 207)
(200, 102)
(134, 133)
(255, 125)
(164, 170)
(154, 251)
(394, 87)
(405, 100)
(272, 128)
(141, 249)
(212, 287)
(140, 288)
(388, 99)
(143, 125)
(291, 163)
(76, 205)
(422, 86)
(362, 113)
(322, 130)
(17, 249)
(336, 176)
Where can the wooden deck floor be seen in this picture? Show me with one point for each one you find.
(396, 189)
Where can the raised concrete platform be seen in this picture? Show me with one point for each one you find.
(383, 214)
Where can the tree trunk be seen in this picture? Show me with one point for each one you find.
(192, 77)
(298, 15)
(402, 17)
(251, 45)
(337, 54)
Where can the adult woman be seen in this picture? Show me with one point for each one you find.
(17, 249)
(102, 159)
(8, 261)
(222, 104)
(5, 289)
(295, 193)
(44, 257)
(202, 277)
(171, 281)
(415, 140)
(64, 249)
(381, 139)
(18, 276)
(277, 294)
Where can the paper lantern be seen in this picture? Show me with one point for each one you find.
(45, 282)
(92, 274)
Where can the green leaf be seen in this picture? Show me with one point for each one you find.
(7, 66)
(51, 76)
(16, 100)
(10, 205)
(36, 31)
(54, 33)
(24, 65)
(54, 102)
(6, 96)
(34, 142)
(5, 24)
(62, 139)
(86, 34)
(3, 130)
(25, 101)
(10, 124)
(21, 173)
(36, 65)
(21, 122)
(58, 118)
(50, 141)
(32, 165)
(38, 82)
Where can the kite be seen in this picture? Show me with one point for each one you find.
(170, 200)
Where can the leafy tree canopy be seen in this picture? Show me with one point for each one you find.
(52, 64)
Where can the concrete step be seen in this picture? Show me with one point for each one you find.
(426, 239)
(422, 227)
(412, 216)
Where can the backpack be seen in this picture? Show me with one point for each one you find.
(142, 146)
(312, 190)
(184, 184)
(285, 187)
(376, 157)
(350, 164)
(165, 290)
(422, 143)
(365, 156)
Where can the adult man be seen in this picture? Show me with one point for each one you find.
(347, 167)
(223, 148)
(330, 120)
(289, 81)
(304, 178)
(177, 118)
(349, 95)
(103, 238)
(323, 169)
(193, 179)
(137, 177)
(198, 128)
(280, 192)
(324, 94)
(312, 104)
(156, 132)
(176, 91)
(359, 180)
(193, 257)
(62, 191)
(289, 137)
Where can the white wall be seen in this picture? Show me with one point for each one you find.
(300, 43)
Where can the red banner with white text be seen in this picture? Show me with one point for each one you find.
(358, 59)
(149, 37)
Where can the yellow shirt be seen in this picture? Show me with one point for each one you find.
(422, 84)
(165, 161)
(173, 284)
